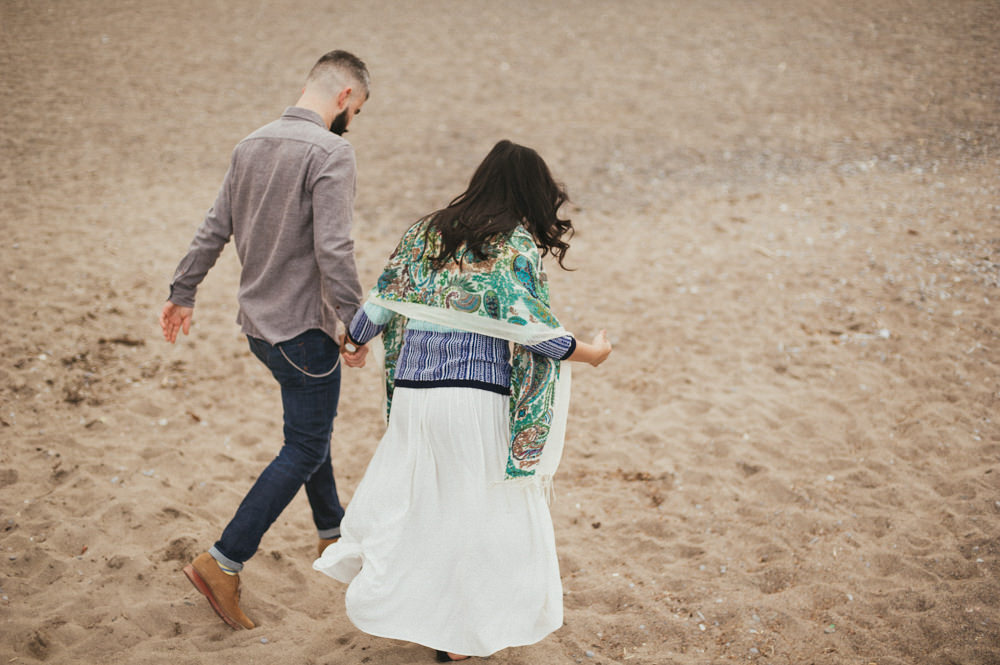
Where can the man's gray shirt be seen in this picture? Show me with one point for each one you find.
(287, 201)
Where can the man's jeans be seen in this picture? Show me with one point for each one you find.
(310, 404)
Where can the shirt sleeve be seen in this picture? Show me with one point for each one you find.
(333, 191)
(559, 348)
(368, 323)
(209, 240)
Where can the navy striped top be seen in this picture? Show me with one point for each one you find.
(435, 356)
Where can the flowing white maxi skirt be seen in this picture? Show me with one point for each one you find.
(435, 547)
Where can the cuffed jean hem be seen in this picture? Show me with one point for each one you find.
(326, 534)
(226, 561)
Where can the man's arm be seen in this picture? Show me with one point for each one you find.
(333, 213)
(209, 239)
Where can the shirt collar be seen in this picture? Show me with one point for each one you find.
(304, 114)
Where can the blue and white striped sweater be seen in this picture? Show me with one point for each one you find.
(435, 356)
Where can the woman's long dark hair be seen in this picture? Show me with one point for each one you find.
(511, 186)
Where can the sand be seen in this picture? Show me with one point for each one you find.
(787, 220)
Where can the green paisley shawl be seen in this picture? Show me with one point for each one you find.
(505, 295)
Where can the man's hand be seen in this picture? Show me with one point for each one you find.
(173, 319)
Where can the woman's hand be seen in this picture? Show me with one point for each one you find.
(602, 348)
(594, 353)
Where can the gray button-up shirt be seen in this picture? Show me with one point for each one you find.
(287, 202)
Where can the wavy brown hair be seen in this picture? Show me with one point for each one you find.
(511, 186)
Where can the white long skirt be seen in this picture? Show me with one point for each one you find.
(435, 547)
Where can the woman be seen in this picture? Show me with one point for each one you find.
(448, 540)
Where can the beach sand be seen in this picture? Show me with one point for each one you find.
(787, 219)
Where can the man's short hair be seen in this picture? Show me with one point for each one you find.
(339, 68)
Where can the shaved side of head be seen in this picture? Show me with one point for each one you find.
(337, 70)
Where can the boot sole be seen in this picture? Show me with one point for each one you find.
(200, 584)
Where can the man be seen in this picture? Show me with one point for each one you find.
(287, 202)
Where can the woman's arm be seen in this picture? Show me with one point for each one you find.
(560, 348)
(595, 352)
(568, 347)
(367, 323)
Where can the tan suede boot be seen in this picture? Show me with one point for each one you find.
(323, 544)
(222, 591)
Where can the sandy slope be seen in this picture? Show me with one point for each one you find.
(788, 220)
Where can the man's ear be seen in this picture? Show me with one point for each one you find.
(342, 98)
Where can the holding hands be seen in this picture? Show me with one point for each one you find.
(175, 319)
(354, 355)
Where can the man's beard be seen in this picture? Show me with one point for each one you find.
(339, 124)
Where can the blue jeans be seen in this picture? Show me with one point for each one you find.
(310, 404)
